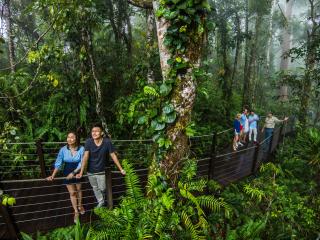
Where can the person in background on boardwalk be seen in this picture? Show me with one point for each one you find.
(245, 126)
(253, 123)
(268, 128)
(71, 156)
(237, 131)
(95, 156)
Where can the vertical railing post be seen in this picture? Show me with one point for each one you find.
(255, 158)
(12, 227)
(213, 154)
(109, 187)
(40, 154)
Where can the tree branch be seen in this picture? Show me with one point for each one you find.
(147, 4)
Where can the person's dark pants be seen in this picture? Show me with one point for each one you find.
(268, 132)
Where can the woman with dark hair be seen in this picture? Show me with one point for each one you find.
(71, 156)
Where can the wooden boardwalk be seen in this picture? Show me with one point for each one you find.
(43, 206)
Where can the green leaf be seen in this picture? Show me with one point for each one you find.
(165, 89)
(168, 109)
(170, 118)
(11, 201)
(167, 143)
(161, 142)
(178, 59)
(13, 132)
(181, 65)
(157, 126)
(190, 132)
(152, 112)
(4, 201)
(148, 90)
(142, 120)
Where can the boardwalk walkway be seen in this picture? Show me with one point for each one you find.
(42, 205)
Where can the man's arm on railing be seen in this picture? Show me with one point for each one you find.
(83, 164)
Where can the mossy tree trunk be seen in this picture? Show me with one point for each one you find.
(183, 94)
(182, 98)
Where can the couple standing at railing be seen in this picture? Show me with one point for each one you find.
(246, 124)
(76, 158)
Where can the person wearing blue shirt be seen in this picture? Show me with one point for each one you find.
(245, 125)
(253, 123)
(70, 157)
(237, 130)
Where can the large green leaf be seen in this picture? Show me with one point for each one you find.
(168, 108)
(170, 118)
(142, 120)
(165, 89)
(157, 126)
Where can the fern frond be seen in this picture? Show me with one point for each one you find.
(106, 234)
(160, 222)
(190, 227)
(252, 229)
(271, 167)
(155, 185)
(254, 192)
(214, 204)
(133, 105)
(148, 90)
(132, 183)
(197, 185)
(189, 170)
(188, 195)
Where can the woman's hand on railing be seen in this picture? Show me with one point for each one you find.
(50, 178)
(70, 176)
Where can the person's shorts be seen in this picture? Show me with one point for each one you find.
(236, 133)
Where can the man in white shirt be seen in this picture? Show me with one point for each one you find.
(269, 125)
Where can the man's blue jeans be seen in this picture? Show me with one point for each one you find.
(268, 135)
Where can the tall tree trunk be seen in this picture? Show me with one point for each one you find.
(127, 29)
(10, 33)
(310, 62)
(246, 83)
(182, 98)
(285, 46)
(226, 73)
(270, 37)
(150, 45)
(238, 45)
(162, 26)
(86, 35)
(248, 91)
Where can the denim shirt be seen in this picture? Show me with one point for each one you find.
(253, 121)
(65, 155)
